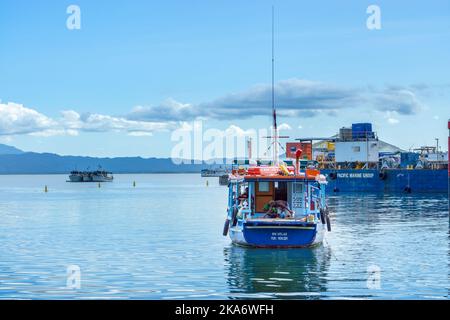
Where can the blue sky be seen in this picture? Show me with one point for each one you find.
(137, 69)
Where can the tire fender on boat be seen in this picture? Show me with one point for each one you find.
(383, 175)
(234, 216)
(322, 216)
(226, 226)
(327, 218)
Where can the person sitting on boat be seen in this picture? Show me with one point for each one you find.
(244, 195)
(281, 208)
(243, 203)
(271, 212)
(244, 198)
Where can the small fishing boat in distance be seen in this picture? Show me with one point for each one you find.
(214, 172)
(75, 176)
(99, 175)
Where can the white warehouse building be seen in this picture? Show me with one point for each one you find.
(353, 151)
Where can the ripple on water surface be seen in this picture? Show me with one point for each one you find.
(162, 240)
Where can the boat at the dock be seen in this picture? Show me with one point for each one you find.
(214, 172)
(91, 176)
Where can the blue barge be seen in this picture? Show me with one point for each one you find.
(355, 160)
(386, 180)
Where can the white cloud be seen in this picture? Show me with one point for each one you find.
(169, 110)
(103, 123)
(284, 126)
(391, 117)
(140, 134)
(393, 121)
(293, 98)
(398, 100)
(16, 119)
(54, 132)
(237, 131)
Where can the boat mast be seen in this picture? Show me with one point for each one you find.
(274, 112)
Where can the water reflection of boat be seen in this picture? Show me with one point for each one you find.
(279, 273)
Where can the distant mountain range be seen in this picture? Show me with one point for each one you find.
(15, 161)
(4, 149)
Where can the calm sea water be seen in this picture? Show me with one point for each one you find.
(163, 240)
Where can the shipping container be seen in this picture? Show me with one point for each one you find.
(292, 147)
(362, 131)
(330, 146)
(345, 134)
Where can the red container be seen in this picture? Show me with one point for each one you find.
(292, 147)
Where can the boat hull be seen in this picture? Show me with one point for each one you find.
(101, 179)
(390, 180)
(75, 178)
(277, 234)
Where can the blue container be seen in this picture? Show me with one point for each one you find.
(408, 159)
(362, 130)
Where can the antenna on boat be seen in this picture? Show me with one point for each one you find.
(275, 143)
(274, 112)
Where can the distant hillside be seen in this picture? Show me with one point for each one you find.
(4, 149)
(40, 163)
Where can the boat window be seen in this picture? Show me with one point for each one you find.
(298, 187)
(263, 186)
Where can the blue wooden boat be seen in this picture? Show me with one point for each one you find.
(276, 207)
